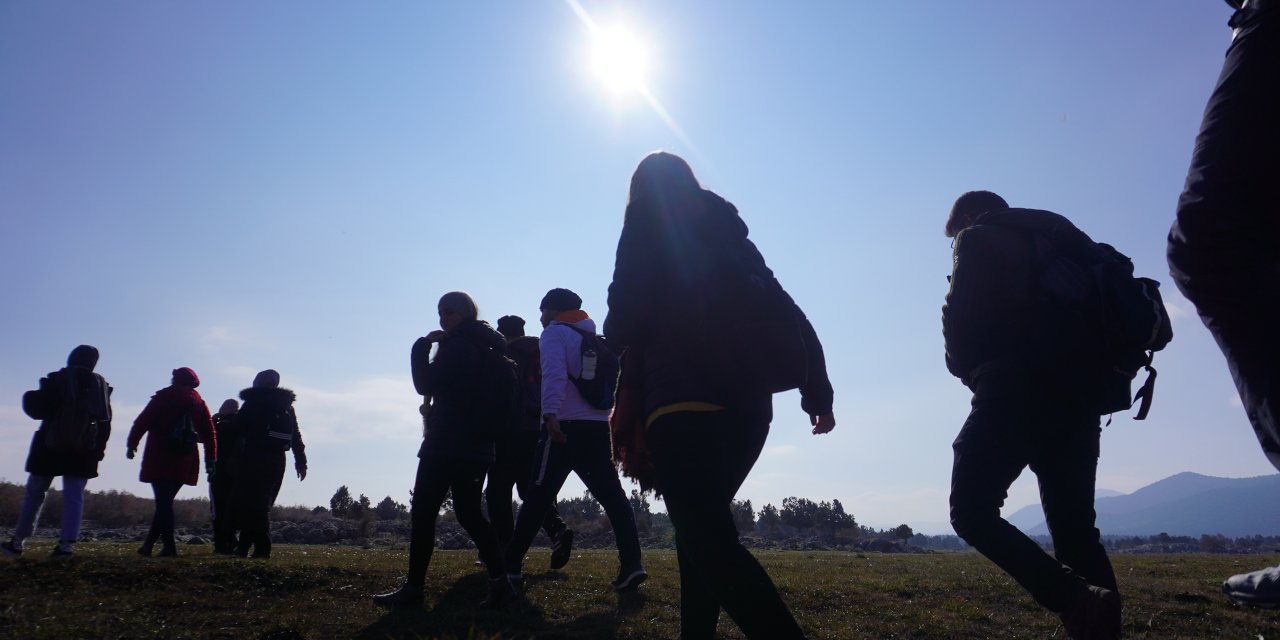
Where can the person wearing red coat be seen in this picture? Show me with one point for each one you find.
(171, 460)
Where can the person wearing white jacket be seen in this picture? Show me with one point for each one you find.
(574, 437)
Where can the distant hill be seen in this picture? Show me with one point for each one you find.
(1186, 504)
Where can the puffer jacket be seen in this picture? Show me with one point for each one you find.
(253, 419)
(40, 404)
(159, 462)
(449, 383)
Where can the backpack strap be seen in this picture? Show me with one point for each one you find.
(1147, 390)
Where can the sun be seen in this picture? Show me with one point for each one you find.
(619, 59)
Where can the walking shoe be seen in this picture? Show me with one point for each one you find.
(404, 597)
(10, 549)
(630, 579)
(168, 552)
(1094, 616)
(1259, 588)
(500, 593)
(516, 579)
(561, 548)
(62, 551)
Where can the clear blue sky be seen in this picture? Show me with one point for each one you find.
(237, 186)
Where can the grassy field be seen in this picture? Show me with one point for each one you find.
(107, 591)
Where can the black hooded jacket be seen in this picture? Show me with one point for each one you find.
(42, 403)
(664, 301)
(250, 423)
(449, 383)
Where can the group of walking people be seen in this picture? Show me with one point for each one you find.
(707, 335)
(244, 454)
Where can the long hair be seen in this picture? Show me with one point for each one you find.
(661, 174)
(463, 302)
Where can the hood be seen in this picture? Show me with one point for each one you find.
(272, 396)
(586, 324)
(690, 219)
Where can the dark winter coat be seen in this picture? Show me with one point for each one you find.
(664, 303)
(41, 404)
(449, 382)
(994, 321)
(254, 417)
(159, 461)
(230, 444)
(525, 353)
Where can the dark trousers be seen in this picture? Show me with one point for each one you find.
(588, 454)
(220, 504)
(256, 488)
(162, 522)
(513, 467)
(437, 476)
(1224, 249)
(702, 459)
(1013, 425)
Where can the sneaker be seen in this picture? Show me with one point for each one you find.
(62, 552)
(561, 548)
(1260, 588)
(628, 580)
(10, 549)
(404, 597)
(501, 592)
(1094, 616)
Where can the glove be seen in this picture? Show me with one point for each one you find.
(211, 469)
(129, 453)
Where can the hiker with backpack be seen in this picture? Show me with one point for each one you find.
(709, 335)
(1221, 249)
(222, 483)
(579, 372)
(268, 427)
(469, 392)
(175, 421)
(73, 405)
(515, 452)
(1048, 329)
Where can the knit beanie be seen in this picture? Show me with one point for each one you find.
(511, 326)
(268, 379)
(560, 300)
(229, 406)
(83, 356)
(186, 377)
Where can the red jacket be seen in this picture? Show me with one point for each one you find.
(159, 462)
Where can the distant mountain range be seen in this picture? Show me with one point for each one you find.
(1186, 504)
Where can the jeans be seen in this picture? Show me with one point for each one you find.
(437, 477)
(1014, 424)
(72, 507)
(162, 522)
(1223, 247)
(513, 467)
(702, 459)
(586, 452)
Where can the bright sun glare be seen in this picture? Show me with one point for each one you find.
(619, 59)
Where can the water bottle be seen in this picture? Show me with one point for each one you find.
(588, 363)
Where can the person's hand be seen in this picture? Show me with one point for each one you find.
(302, 472)
(823, 423)
(553, 430)
(210, 469)
(436, 336)
(130, 452)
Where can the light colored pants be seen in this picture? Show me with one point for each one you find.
(72, 507)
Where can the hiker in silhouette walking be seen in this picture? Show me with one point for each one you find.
(1222, 247)
(73, 405)
(222, 482)
(268, 426)
(459, 428)
(709, 335)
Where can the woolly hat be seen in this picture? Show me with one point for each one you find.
(511, 326)
(186, 377)
(228, 407)
(560, 300)
(268, 379)
(83, 356)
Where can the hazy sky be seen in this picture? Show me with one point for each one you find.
(235, 186)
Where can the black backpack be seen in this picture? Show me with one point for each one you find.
(529, 372)
(1093, 285)
(278, 432)
(497, 405)
(182, 435)
(599, 379)
(83, 399)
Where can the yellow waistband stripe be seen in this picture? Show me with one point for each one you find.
(678, 407)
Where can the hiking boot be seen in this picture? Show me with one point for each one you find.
(1259, 588)
(561, 548)
(1094, 616)
(404, 597)
(629, 579)
(10, 549)
(145, 549)
(62, 552)
(516, 579)
(168, 552)
(501, 592)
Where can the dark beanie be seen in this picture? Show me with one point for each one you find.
(268, 379)
(511, 326)
(186, 377)
(83, 356)
(561, 300)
